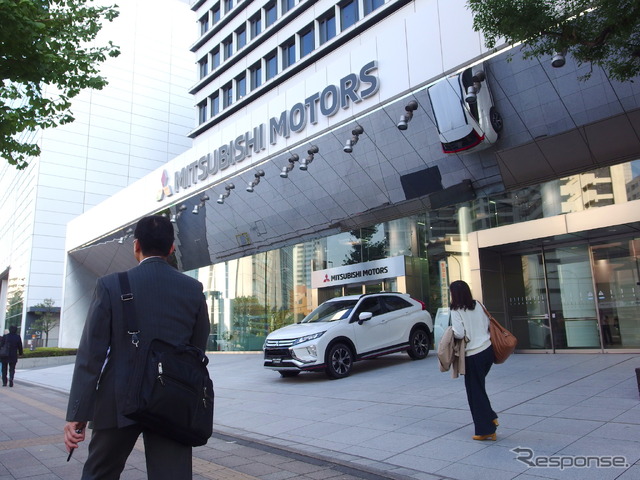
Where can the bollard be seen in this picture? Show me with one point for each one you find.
(638, 378)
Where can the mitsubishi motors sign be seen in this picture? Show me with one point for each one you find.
(359, 273)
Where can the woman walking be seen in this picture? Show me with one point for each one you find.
(468, 319)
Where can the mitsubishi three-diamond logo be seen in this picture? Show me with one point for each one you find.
(166, 190)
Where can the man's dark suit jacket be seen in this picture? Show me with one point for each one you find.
(168, 304)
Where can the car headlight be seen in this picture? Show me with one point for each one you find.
(306, 338)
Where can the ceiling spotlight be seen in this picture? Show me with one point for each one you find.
(406, 117)
(197, 207)
(255, 181)
(179, 211)
(472, 90)
(558, 60)
(228, 187)
(355, 136)
(285, 170)
(304, 163)
(471, 97)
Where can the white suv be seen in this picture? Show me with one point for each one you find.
(463, 108)
(346, 329)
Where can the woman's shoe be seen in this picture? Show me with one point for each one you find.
(495, 422)
(491, 436)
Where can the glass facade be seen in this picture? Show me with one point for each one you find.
(566, 295)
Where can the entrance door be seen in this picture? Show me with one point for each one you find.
(617, 280)
(580, 296)
(572, 305)
(550, 300)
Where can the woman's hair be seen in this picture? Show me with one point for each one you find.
(13, 329)
(461, 298)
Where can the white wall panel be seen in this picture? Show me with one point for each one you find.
(459, 42)
(424, 55)
(59, 192)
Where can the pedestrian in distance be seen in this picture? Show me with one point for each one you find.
(169, 306)
(14, 349)
(469, 319)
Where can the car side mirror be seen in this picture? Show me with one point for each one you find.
(363, 317)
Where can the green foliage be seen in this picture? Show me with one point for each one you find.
(48, 352)
(47, 319)
(46, 59)
(605, 33)
(364, 249)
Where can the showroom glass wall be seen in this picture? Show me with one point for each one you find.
(251, 296)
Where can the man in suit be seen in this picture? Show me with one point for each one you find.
(169, 305)
(14, 343)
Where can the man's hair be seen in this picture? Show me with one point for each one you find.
(155, 235)
(13, 329)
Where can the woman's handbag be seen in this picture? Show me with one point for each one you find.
(502, 340)
(170, 391)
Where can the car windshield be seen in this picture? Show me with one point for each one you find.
(331, 311)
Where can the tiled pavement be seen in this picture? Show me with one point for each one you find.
(31, 447)
(392, 417)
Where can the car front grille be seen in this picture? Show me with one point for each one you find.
(277, 353)
(287, 342)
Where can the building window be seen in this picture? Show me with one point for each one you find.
(327, 27)
(271, 64)
(270, 14)
(348, 14)
(215, 104)
(227, 48)
(241, 37)
(288, 53)
(370, 5)
(307, 42)
(227, 95)
(204, 24)
(256, 25)
(215, 14)
(202, 112)
(241, 86)
(204, 67)
(287, 5)
(215, 58)
(255, 73)
(228, 5)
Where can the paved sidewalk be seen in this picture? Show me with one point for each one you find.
(31, 447)
(409, 420)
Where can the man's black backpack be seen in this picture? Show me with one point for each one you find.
(170, 391)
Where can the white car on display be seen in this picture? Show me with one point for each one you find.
(346, 329)
(465, 115)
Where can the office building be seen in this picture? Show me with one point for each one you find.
(324, 163)
(120, 134)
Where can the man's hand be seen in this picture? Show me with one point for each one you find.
(73, 434)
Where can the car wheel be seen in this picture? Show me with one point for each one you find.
(496, 119)
(289, 373)
(419, 343)
(339, 361)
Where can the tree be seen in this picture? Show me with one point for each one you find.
(45, 60)
(364, 249)
(605, 33)
(47, 319)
